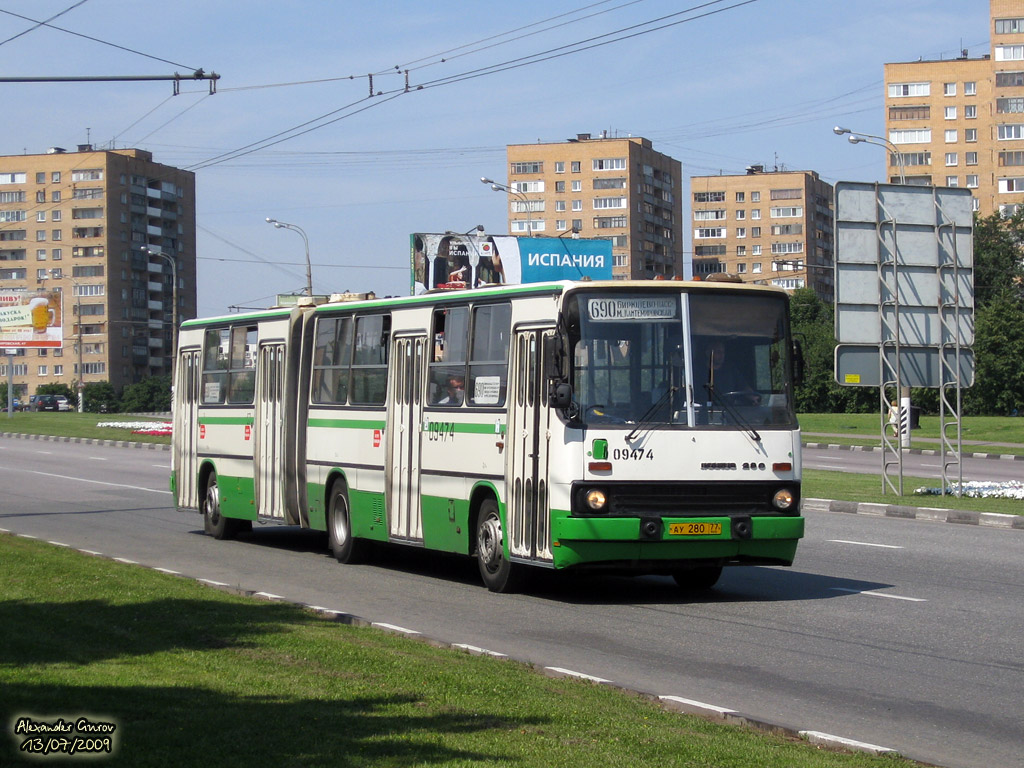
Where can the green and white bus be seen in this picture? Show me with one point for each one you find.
(639, 426)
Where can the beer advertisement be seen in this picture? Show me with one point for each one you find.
(31, 319)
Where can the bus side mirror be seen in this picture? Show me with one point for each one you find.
(560, 395)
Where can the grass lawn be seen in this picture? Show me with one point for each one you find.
(194, 677)
(851, 486)
(71, 424)
(988, 429)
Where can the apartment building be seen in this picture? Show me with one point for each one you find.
(87, 225)
(618, 188)
(960, 122)
(766, 226)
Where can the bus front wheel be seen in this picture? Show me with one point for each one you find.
(345, 547)
(498, 574)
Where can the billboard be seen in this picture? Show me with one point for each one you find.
(31, 319)
(473, 260)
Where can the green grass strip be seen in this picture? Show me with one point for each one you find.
(196, 677)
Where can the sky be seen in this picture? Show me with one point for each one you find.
(293, 132)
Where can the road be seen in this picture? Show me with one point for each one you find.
(894, 632)
(914, 465)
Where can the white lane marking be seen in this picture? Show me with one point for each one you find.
(84, 480)
(125, 560)
(817, 737)
(58, 543)
(570, 673)
(267, 595)
(45, 453)
(872, 593)
(864, 544)
(168, 571)
(97, 458)
(827, 466)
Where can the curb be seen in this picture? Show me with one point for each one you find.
(88, 441)
(668, 703)
(917, 451)
(929, 514)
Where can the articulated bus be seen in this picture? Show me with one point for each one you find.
(638, 426)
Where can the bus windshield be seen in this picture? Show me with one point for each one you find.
(692, 359)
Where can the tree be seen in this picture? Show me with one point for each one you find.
(997, 256)
(813, 325)
(998, 350)
(100, 397)
(148, 395)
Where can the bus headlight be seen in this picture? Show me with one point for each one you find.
(596, 499)
(783, 499)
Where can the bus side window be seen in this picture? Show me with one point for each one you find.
(242, 376)
(215, 366)
(448, 367)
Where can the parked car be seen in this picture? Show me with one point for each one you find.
(46, 403)
(30, 404)
(63, 403)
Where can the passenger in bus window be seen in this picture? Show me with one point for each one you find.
(455, 391)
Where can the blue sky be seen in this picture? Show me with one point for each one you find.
(758, 82)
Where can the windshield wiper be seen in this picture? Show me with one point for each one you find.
(646, 418)
(728, 409)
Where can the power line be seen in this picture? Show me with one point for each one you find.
(39, 24)
(619, 35)
(93, 39)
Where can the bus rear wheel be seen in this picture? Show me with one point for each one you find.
(498, 574)
(698, 579)
(214, 523)
(345, 547)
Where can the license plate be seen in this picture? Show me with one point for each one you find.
(695, 529)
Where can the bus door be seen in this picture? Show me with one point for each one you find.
(405, 415)
(186, 428)
(528, 517)
(268, 425)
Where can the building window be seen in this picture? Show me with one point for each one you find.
(1009, 79)
(971, 112)
(527, 186)
(741, 214)
(40, 177)
(911, 158)
(741, 232)
(577, 205)
(55, 234)
(740, 196)
(755, 231)
(576, 186)
(756, 251)
(951, 158)
(532, 166)
(922, 112)
(951, 136)
(1009, 52)
(559, 205)
(574, 166)
(1010, 105)
(40, 235)
(783, 248)
(911, 136)
(41, 254)
(952, 181)
(950, 113)
(971, 158)
(970, 88)
(524, 206)
(560, 167)
(904, 90)
(6, 215)
(1010, 132)
(709, 197)
(58, 370)
(970, 134)
(55, 196)
(55, 177)
(787, 212)
(972, 180)
(560, 225)
(786, 194)
(715, 214)
(560, 187)
(1011, 158)
(609, 202)
(87, 174)
(704, 233)
(741, 268)
(609, 164)
(56, 253)
(949, 89)
(1009, 26)
(1011, 185)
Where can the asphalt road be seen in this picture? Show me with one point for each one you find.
(914, 465)
(898, 633)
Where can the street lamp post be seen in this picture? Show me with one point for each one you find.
(305, 240)
(174, 299)
(878, 141)
(497, 186)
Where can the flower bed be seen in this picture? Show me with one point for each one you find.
(1012, 489)
(140, 427)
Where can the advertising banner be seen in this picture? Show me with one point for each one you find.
(31, 319)
(471, 261)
